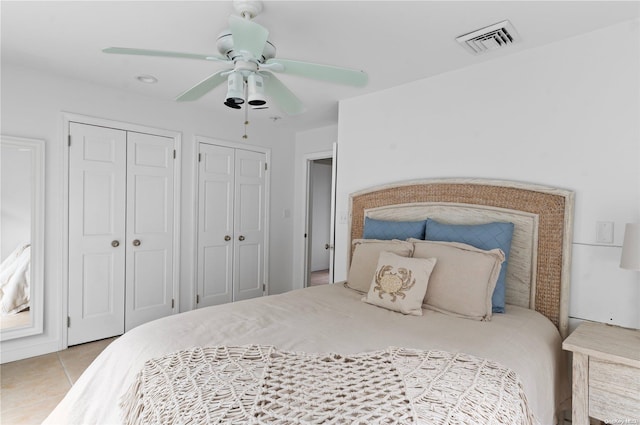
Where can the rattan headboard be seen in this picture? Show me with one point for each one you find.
(538, 274)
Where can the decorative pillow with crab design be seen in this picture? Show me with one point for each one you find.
(400, 283)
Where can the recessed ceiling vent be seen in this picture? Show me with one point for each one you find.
(489, 38)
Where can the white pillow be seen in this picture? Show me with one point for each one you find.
(365, 259)
(400, 283)
(463, 280)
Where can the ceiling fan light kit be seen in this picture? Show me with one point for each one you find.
(235, 89)
(255, 90)
(245, 46)
(232, 105)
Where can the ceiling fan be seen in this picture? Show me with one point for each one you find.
(251, 56)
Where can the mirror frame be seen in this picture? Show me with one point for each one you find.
(37, 147)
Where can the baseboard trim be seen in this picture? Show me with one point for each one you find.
(21, 353)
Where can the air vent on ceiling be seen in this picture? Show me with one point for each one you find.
(489, 38)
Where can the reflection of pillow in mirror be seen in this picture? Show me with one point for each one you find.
(388, 230)
(463, 279)
(484, 236)
(399, 283)
(365, 259)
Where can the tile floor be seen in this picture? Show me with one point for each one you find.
(31, 388)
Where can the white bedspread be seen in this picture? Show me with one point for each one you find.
(320, 320)
(15, 280)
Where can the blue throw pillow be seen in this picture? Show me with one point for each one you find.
(483, 236)
(387, 230)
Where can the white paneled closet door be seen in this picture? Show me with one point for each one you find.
(97, 230)
(215, 225)
(121, 231)
(149, 269)
(231, 224)
(249, 207)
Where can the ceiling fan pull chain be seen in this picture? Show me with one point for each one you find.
(246, 121)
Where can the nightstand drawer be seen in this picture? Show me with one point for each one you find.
(614, 390)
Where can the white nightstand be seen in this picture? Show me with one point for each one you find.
(606, 374)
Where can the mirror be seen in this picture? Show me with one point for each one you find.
(21, 237)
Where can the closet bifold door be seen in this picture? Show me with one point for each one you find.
(149, 261)
(249, 222)
(97, 201)
(231, 224)
(215, 225)
(121, 231)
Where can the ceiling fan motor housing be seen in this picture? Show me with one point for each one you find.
(224, 44)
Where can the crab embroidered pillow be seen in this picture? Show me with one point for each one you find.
(400, 283)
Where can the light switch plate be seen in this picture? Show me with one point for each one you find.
(343, 216)
(604, 232)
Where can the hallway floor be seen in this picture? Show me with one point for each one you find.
(320, 277)
(31, 388)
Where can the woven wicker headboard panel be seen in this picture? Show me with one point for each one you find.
(552, 209)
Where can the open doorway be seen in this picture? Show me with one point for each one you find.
(319, 228)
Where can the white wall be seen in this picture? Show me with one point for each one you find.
(32, 106)
(565, 115)
(312, 144)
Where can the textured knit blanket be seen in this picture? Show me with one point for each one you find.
(261, 385)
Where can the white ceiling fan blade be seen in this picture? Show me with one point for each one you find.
(204, 86)
(162, 53)
(248, 36)
(282, 96)
(328, 73)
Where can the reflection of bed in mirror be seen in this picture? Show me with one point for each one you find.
(15, 279)
(21, 227)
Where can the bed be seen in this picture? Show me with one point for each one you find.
(15, 276)
(299, 344)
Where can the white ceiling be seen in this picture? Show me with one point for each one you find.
(394, 42)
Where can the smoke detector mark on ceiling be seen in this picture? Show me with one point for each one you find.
(489, 38)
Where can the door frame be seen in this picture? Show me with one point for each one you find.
(68, 117)
(197, 140)
(307, 161)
